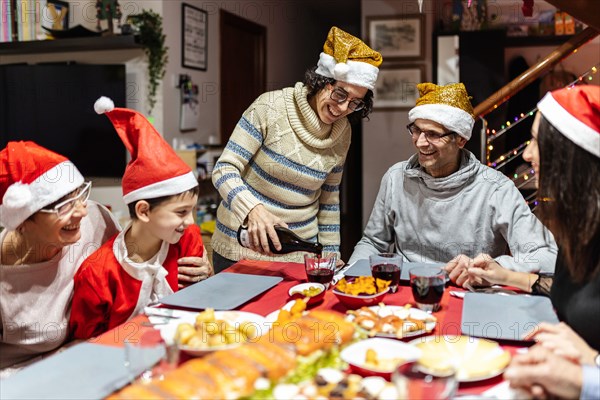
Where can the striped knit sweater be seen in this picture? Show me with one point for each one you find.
(283, 156)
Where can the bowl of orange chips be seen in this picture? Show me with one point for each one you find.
(360, 291)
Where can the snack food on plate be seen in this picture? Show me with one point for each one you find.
(362, 285)
(234, 373)
(208, 332)
(392, 321)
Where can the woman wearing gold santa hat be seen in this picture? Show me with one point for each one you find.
(284, 161)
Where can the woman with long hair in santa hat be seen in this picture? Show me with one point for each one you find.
(51, 226)
(565, 153)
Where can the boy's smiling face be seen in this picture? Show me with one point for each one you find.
(168, 220)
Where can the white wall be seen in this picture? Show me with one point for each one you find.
(385, 141)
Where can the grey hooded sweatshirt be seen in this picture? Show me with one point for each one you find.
(474, 210)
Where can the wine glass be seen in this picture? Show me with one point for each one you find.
(414, 381)
(148, 357)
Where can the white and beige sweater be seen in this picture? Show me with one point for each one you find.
(283, 156)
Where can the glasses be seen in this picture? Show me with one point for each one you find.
(64, 208)
(431, 137)
(339, 95)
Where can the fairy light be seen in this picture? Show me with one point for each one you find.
(516, 120)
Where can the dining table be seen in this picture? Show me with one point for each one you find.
(448, 316)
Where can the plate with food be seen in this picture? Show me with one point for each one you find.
(201, 333)
(290, 311)
(314, 292)
(393, 321)
(473, 359)
(378, 356)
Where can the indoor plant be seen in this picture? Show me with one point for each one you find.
(148, 28)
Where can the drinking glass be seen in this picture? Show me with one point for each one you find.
(387, 266)
(148, 357)
(428, 285)
(412, 381)
(320, 269)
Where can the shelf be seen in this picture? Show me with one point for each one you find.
(529, 41)
(70, 45)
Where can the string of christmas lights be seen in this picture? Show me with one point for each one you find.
(508, 156)
(588, 75)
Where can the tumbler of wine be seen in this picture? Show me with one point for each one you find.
(386, 266)
(427, 286)
(320, 268)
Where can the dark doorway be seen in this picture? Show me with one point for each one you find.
(243, 68)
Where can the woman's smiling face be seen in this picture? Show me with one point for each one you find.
(329, 110)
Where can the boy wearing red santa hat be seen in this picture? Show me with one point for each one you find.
(139, 266)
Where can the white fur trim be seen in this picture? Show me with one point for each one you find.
(55, 183)
(17, 195)
(454, 119)
(576, 131)
(359, 73)
(104, 105)
(168, 187)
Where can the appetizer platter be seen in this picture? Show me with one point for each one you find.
(393, 321)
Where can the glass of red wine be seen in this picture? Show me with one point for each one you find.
(320, 268)
(386, 266)
(428, 285)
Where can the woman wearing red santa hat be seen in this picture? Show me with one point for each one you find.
(50, 228)
(565, 154)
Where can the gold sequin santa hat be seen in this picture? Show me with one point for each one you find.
(348, 59)
(447, 105)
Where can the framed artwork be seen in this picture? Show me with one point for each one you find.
(55, 15)
(194, 31)
(400, 37)
(396, 87)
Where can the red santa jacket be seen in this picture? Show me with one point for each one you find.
(109, 290)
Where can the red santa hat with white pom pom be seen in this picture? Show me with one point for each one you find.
(348, 59)
(575, 112)
(155, 170)
(32, 177)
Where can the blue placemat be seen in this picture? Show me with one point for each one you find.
(223, 291)
(506, 317)
(84, 371)
(362, 268)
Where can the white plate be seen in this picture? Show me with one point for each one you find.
(168, 330)
(385, 348)
(402, 313)
(466, 355)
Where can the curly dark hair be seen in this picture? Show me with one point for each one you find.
(317, 82)
(570, 181)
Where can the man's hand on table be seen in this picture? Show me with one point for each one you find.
(544, 374)
(194, 269)
(483, 270)
(457, 269)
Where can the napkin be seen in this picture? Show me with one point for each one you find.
(84, 371)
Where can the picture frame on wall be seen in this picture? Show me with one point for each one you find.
(194, 32)
(396, 87)
(399, 37)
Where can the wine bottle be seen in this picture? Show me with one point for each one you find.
(290, 242)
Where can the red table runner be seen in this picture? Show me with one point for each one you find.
(449, 316)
